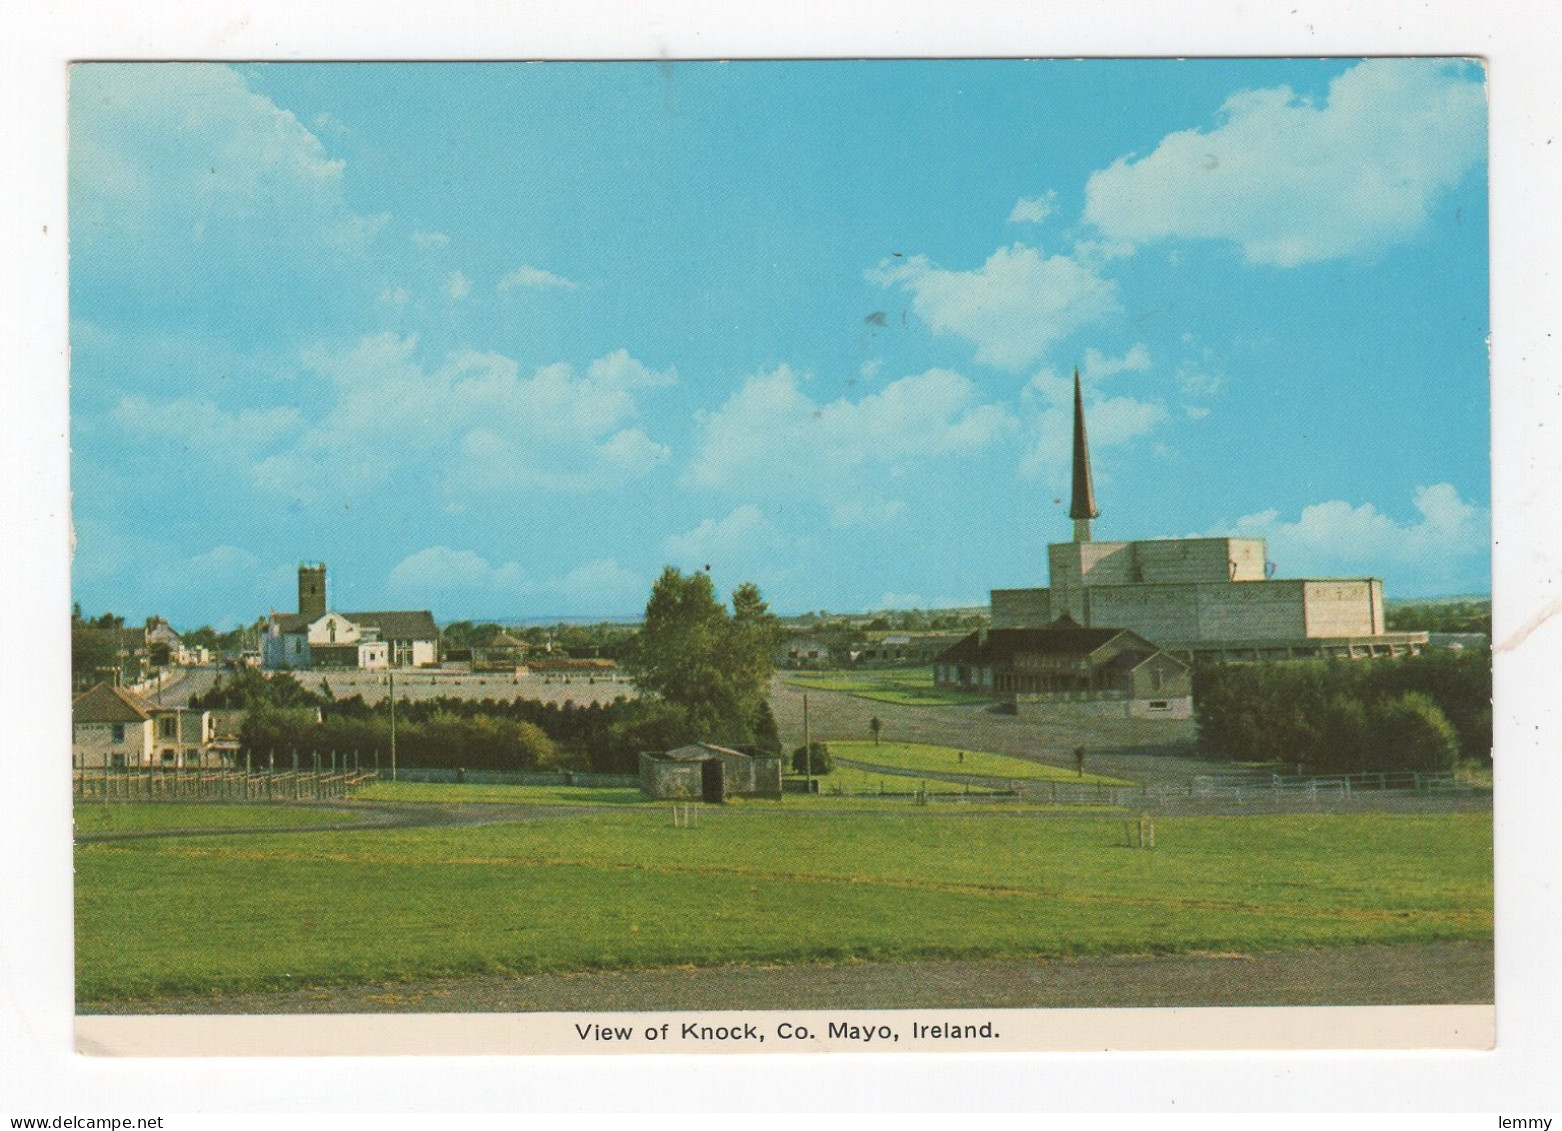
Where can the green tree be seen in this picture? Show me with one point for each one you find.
(1412, 733)
(94, 652)
(812, 759)
(713, 665)
(875, 724)
(767, 736)
(1345, 736)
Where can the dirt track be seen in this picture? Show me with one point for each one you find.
(1418, 974)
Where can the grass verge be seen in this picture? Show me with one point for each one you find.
(950, 760)
(909, 687)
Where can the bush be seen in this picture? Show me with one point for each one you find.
(1412, 733)
(821, 761)
(1347, 716)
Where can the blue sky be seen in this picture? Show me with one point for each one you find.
(503, 340)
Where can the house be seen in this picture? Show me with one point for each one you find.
(1107, 671)
(336, 641)
(227, 727)
(411, 638)
(110, 727)
(182, 736)
(806, 652)
(285, 644)
(709, 773)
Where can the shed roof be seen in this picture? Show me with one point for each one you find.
(106, 703)
(699, 752)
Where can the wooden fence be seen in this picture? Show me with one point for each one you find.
(156, 783)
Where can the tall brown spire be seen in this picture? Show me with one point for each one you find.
(1083, 507)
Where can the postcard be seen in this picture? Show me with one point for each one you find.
(773, 557)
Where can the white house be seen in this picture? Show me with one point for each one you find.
(110, 727)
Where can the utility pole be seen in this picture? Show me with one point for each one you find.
(392, 677)
(808, 750)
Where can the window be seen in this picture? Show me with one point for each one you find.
(119, 761)
(1160, 705)
(169, 727)
(1157, 679)
(117, 732)
(168, 757)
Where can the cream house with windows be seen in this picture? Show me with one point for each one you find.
(115, 728)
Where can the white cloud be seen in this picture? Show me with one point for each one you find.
(430, 241)
(228, 567)
(202, 426)
(466, 582)
(1198, 379)
(440, 569)
(472, 424)
(457, 286)
(900, 601)
(1110, 421)
(1013, 307)
(1098, 364)
(1293, 182)
(1034, 209)
(738, 535)
(181, 173)
(770, 438)
(535, 278)
(620, 371)
(1445, 549)
(395, 296)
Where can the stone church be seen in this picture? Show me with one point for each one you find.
(1198, 598)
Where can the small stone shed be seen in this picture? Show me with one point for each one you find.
(710, 773)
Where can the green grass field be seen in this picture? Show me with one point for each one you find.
(947, 759)
(626, 889)
(910, 687)
(119, 817)
(501, 794)
(839, 791)
(848, 780)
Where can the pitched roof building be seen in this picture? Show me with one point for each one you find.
(1116, 670)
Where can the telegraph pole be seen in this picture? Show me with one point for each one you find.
(808, 750)
(392, 677)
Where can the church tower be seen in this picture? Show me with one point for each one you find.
(311, 590)
(1083, 506)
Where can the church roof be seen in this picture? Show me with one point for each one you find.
(1083, 504)
(417, 625)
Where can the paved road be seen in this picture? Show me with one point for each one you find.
(185, 684)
